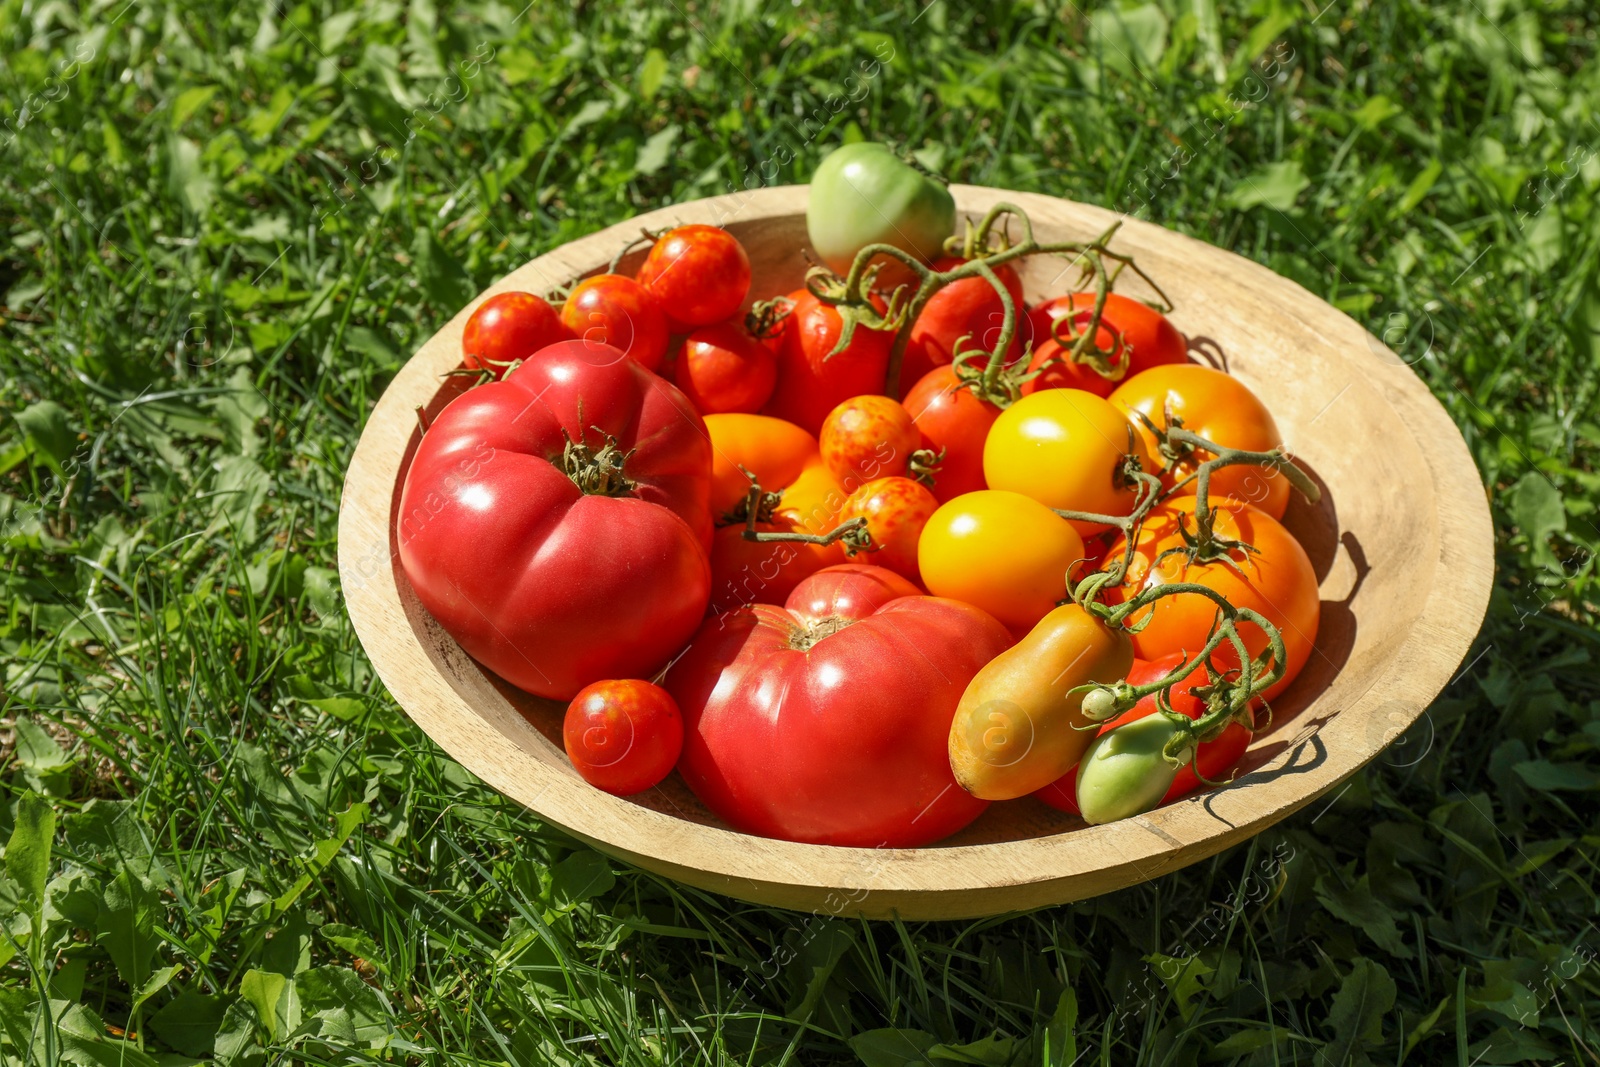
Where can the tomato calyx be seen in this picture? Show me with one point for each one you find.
(597, 471)
(765, 318)
(924, 464)
(645, 238)
(805, 635)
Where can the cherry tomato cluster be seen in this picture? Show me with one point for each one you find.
(722, 531)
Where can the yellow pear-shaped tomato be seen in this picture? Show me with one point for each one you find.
(1019, 725)
(1065, 448)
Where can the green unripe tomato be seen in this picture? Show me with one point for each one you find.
(1124, 771)
(863, 194)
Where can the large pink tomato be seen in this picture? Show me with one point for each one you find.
(556, 523)
(833, 729)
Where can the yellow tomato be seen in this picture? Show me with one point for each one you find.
(775, 451)
(1003, 552)
(1065, 449)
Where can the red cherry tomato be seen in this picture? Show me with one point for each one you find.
(811, 383)
(700, 274)
(951, 419)
(868, 437)
(834, 729)
(623, 736)
(611, 309)
(724, 368)
(508, 327)
(896, 510)
(968, 308)
(850, 590)
(1131, 333)
(1214, 759)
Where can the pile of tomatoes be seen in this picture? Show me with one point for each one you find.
(704, 525)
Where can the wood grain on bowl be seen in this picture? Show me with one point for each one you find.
(1402, 545)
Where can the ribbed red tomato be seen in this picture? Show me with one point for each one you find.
(832, 729)
(1214, 759)
(561, 549)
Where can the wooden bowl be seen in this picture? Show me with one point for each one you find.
(1402, 544)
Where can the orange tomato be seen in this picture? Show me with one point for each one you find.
(868, 437)
(1220, 408)
(896, 510)
(1276, 580)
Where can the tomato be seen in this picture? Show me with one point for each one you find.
(1214, 758)
(725, 368)
(611, 309)
(968, 308)
(863, 194)
(700, 274)
(1020, 724)
(811, 383)
(784, 459)
(1276, 580)
(868, 437)
(896, 510)
(1004, 552)
(849, 589)
(1065, 448)
(623, 736)
(1221, 409)
(508, 327)
(954, 421)
(554, 565)
(1126, 770)
(832, 729)
(1132, 334)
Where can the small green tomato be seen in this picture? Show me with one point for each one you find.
(1125, 771)
(864, 194)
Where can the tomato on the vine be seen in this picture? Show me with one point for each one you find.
(725, 368)
(954, 421)
(1066, 448)
(700, 274)
(1213, 759)
(1221, 409)
(969, 308)
(896, 510)
(623, 736)
(868, 437)
(1003, 552)
(1132, 334)
(615, 310)
(811, 382)
(508, 327)
(1276, 580)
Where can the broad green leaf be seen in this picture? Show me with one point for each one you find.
(1537, 509)
(333, 991)
(1062, 1030)
(893, 1047)
(28, 852)
(186, 176)
(822, 945)
(45, 423)
(1129, 38)
(578, 877)
(1184, 978)
(996, 1050)
(269, 993)
(1277, 186)
(1358, 907)
(241, 486)
(235, 1042)
(127, 927)
(1554, 777)
(336, 27)
(189, 101)
(438, 273)
(652, 72)
(189, 1022)
(655, 152)
(1355, 1018)
(354, 941)
(323, 851)
(84, 1042)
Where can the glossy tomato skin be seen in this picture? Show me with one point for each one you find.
(968, 308)
(623, 735)
(952, 420)
(810, 382)
(1214, 758)
(896, 510)
(868, 437)
(1220, 408)
(1276, 580)
(611, 309)
(1065, 448)
(699, 273)
(548, 586)
(851, 590)
(1004, 552)
(791, 732)
(508, 327)
(724, 368)
(1133, 333)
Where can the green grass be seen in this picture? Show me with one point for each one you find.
(226, 225)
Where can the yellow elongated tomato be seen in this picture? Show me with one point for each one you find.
(1003, 552)
(1220, 408)
(776, 452)
(1065, 449)
(1019, 726)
